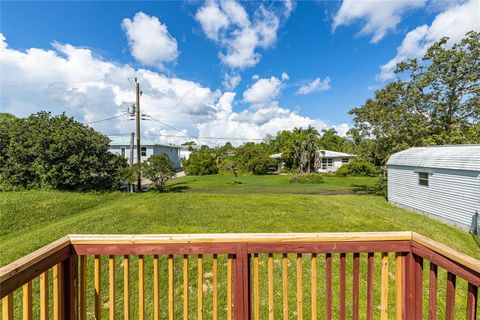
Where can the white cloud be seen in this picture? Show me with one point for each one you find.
(231, 81)
(263, 91)
(149, 40)
(454, 23)
(239, 35)
(89, 88)
(315, 86)
(379, 17)
(285, 76)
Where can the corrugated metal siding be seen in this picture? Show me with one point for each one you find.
(452, 194)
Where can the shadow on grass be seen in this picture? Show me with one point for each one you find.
(476, 239)
(177, 188)
(362, 189)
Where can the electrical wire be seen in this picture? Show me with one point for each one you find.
(106, 119)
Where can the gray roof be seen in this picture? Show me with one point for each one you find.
(334, 154)
(124, 140)
(460, 157)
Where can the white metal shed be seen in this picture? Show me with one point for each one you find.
(441, 181)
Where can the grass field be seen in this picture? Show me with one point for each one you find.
(30, 220)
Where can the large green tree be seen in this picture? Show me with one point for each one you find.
(435, 100)
(56, 152)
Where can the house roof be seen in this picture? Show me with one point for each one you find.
(124, 140)
(460, 157)
(334, 154)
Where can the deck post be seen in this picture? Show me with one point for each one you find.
(70, 286)
(410, 286)
(242, 283)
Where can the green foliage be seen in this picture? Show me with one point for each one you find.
(158, 169)
(306, 178)
(381, 187)
(357, 168)
(201, 162)
(433, 101)
(56, 152)
(253, 158)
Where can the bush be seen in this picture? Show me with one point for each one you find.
(357, 168)
(158, 168)
(201, 162)
(306, 178)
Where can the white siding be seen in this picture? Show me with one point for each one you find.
(452, 195)
(172, 152)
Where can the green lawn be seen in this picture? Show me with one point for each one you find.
(30, 220)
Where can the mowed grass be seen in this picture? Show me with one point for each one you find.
(29, 220)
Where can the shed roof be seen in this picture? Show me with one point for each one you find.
(460, 157)
(124, 140)
(334, 154)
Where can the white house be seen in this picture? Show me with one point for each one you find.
(441, 181)
(330, 161)
(121, 145)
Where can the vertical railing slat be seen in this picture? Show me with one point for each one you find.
(44, 312)
(270, 286)
(399, 286)
(299, 287)
(27, 301)
(285, 285)
(215, 287)
(82, 312)
(229, 286)
(70, 287)
(314, 286)
(111, 286)
(384, 288)
(185, 287)
(432, 291)
(328, 286)
(7, 307)
(171, 306)
(356, 284)
(419, 287)
(97, 286)
(343, 273)
(200, 288)
(370, 270)
(141, 288)
(156, 289)
(57, 291)
(256, 288)
(126, 287)
(472, 300)
(450, 305)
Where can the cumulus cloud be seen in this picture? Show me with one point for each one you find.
(231, 81)
(454, 22)
(239, 34)
(315, 86)
(378, 17)
(149, 40)
(76, 81)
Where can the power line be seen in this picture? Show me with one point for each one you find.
(49, 83)
(106, 119)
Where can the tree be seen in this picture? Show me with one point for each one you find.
(158, 169)
(201, 162)
(231, 165)
(433, 101)
(56, 152)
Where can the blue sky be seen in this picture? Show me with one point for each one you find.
(182, 59)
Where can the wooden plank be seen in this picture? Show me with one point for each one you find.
(356, 285)
(419, 287)
(185, 287)
(82, 312)
(57, 291)
(313, 269)
(328, 286)
(156, 288)
(44, 310)
(343, 274)
(256, 288)
(141, 287)
(229, 286)
(97, 287)
(7, 307)
(299, 287)
(27, 301)
(410, 286)
(451, 286)
(384, 288)
(241, 285)
(370, 281)
(215, 287)
(399, 286)
(432, 292)
(126, 287)
(70, 287)
(111, 287)
(200, 287)
(285, 285)
(472, 300)
(270, 286)
(171, 302)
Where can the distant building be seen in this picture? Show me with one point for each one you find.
(120, 145)
(330, 161)
(441, 181)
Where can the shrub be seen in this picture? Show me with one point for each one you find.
(158, 168)
(357, 168)
(201, 162)
(306, 178)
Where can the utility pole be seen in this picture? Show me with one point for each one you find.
(137, 116)
(132, 140)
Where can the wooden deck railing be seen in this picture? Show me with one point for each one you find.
(380, 274)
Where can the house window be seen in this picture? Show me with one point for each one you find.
(423, 179)
(345, 160)
(123, 152)
(327, 162)
(143, 151)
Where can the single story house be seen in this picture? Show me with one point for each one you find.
(440, 181)
(120, 145)
(330, 161)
